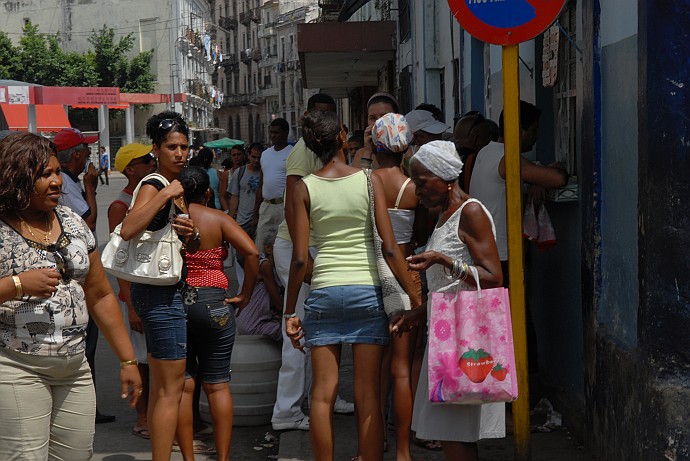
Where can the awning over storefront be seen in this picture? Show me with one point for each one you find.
(49, 117)
(340, 56)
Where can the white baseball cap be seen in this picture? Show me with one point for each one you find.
(423, 120)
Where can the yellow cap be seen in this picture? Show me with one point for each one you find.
(129, 152)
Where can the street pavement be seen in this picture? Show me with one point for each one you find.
(115, 441)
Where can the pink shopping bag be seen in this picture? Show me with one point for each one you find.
(471, 356)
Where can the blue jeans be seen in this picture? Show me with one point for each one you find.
(165, 322)
(211, 336)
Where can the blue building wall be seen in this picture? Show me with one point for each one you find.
(618, 304)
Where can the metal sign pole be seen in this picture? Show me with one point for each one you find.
(511, 124)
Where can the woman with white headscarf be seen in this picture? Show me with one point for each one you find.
(464, 236)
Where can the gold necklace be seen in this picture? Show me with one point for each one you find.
(46, 235)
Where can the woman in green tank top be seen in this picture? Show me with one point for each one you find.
(345, 304)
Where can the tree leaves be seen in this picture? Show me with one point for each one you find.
(39, 58)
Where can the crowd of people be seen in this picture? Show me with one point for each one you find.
(293, 222)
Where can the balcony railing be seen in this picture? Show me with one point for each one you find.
(256, 54)
(235, 100)
(230, 63)
(228, 22)
(331, 4)
(246, 56)
(269, 60)
(267, 91)
(330, 9)
(265, 30)
(246, 17)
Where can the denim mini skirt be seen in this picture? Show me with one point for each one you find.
(347, 314)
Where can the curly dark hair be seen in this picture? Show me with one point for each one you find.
(321, 133)
(23, 157)
(195, 182)
(158, 133)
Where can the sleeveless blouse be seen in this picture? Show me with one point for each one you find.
(445, 240)
(205, 268)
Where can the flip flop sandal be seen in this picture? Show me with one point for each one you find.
(200, 448)
(142, 433)
(432, 445)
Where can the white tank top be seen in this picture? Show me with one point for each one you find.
(402, 220)
(489, 187)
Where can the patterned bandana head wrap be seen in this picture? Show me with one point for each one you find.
(440, 158)
(391, 133)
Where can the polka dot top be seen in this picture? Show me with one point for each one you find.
(205, 268)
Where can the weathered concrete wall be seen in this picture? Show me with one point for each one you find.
(664, 240)
(637, 350)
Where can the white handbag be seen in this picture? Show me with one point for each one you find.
(152, 257)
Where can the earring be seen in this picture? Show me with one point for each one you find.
(450, 186)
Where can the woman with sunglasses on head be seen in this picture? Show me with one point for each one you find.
(51, 281)
(160, 307)
(136, 162)
(210, 316)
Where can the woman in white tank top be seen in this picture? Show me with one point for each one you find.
(390, 138)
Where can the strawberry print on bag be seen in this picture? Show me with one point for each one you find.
(471, 356)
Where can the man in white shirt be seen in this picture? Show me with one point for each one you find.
(268, 209)
(488, 181)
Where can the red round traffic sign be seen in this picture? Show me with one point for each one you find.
(505, 22)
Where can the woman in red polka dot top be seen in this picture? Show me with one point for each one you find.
(210, 315)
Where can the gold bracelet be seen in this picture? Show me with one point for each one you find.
(17, 286)
(127, 363)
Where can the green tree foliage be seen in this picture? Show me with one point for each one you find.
(38, 58)
(113, 66)
(7, 57)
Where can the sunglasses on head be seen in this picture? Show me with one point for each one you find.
(60, 257)
(168, 123)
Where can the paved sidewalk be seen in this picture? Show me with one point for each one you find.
(115, 441)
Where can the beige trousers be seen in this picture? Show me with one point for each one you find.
(47, 407)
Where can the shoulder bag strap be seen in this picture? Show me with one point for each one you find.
(372, 210)
(165, 183)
